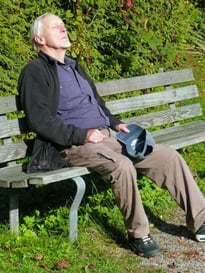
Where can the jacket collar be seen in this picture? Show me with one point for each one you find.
(46, 58)
(53, 61)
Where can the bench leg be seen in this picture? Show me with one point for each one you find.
(14, 210)
(73, 231)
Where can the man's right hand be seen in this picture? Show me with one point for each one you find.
(94, 136)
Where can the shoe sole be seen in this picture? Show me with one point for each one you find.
(147, 255)
(200, 238)
(152, 254)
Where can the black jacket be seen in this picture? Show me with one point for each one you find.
(39, 90)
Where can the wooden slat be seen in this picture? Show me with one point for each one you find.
(13, 176)
(145, 81)
(12, 151)
(7, 104)
(166, 116)
(181, 136)
(9, 127)
(152, 99)
(57, 175)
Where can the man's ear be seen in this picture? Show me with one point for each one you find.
(39, 40)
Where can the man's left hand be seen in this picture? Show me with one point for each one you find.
(121, 127)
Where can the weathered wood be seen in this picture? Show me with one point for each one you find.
(13, 177)
(7, 104)
(57, 175)
(166, 116)
(12, 151)
(144, 82)
(9, 127)
(152, 99)
(181, 136)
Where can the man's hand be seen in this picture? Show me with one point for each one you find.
(122, 127)
(94, 136)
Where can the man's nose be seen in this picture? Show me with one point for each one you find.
(62, 28)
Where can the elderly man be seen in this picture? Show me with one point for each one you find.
(63, 107)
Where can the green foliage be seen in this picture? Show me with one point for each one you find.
(15, 23)
(194, 155)
(102, 210)
(110, 39)
(199, 3)
(155, 199)
(122, 42)
(54, 222)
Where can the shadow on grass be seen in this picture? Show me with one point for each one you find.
(42, 198)
(169, 228)
(45, 198)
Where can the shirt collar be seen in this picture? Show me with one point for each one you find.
(68, 60)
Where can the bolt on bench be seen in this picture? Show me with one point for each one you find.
(166, 103)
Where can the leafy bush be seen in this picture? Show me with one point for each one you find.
(149, 37)
(111, 39)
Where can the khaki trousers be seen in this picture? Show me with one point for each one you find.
(165, 166)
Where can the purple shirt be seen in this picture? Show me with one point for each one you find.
(77, 104)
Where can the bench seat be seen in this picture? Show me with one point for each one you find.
(165, 103)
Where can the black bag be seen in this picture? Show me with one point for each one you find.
(45, 157)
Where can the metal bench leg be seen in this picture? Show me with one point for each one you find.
(14, 210)
(73, 231)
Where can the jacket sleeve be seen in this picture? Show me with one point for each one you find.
(39, 95)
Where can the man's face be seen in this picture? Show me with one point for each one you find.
(54, 34)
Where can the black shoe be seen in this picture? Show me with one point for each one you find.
(145, 246)
(200, 234)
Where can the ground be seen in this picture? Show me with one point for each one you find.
(180, 253)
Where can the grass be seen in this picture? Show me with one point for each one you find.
(21, 254)
(43, 244)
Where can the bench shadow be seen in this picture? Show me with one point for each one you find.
(45, 198)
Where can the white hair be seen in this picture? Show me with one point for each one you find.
(36, 29)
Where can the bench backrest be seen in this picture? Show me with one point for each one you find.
(151, 100)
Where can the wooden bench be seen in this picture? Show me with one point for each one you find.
(167, 103)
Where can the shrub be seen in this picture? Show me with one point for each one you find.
(111, 38)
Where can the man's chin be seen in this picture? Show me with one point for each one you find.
(67, 44)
